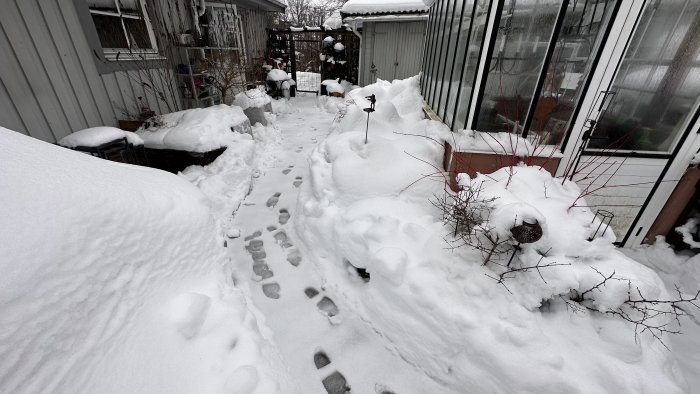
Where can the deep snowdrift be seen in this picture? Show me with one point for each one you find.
(367, 206)
(114, 281)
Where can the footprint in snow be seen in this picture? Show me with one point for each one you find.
(299, 149)
(271, 228)
(327, 306)
(286, 171)
(294, 257)
(284, 216)
(252, 236)
(271, 290)
(321, 359)
(282, 239)
(297, 181)
(310, 292)
(382, 389)
(273, 200)
(336, 383)
(263, 271)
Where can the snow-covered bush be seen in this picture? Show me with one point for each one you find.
(368, 205)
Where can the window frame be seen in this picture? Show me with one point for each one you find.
(128, 53)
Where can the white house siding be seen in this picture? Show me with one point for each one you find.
(47, 71)
(125, 87)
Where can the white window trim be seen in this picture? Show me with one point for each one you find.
(118, 54)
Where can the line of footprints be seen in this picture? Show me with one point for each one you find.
(335, 383)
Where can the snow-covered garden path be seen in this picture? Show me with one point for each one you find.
(322, 342)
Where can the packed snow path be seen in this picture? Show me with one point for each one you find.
(325, 346)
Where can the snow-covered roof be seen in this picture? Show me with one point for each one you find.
(369, 7)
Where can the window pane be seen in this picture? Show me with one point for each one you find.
(524, 32)
(439, 51)
(658, 82)
(429, 45)
(429, 42)
(579, 39)
(138, 33)
(451, 27)
(467, 60)
(110, 31)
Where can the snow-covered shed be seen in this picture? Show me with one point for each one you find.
(609, 89)
(392, 34)
(72, 64)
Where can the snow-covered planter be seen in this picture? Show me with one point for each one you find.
(195, 136)
(471, 152)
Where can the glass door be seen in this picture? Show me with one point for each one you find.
(639, 112)
(539, 65)
(657, 85)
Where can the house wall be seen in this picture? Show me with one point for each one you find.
(395, 49)
(50, 81)
(49, 84)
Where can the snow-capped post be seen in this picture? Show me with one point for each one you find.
(372, 100)
(528, 232)
(603, 215)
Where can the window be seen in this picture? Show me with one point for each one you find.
(124, 29)
(656, 88)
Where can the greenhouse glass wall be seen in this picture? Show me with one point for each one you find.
(601, 81)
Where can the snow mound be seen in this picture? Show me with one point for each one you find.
(443, 310)
(333, 86)
(251, 98)
(113, 280)
(277, 75)
(96, 136)
(195, 130)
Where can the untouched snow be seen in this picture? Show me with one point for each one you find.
(362, 7)
(96, 136)
(195, 130)
(682, 270)
(115, 280)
